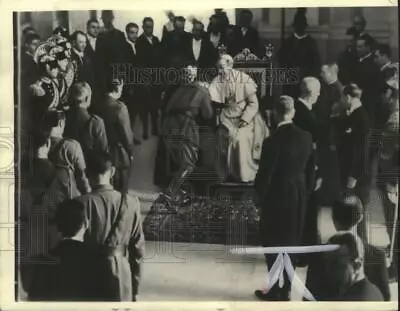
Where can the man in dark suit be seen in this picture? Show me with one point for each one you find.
(92, 32)
(176, 42)
(110, 47)
(119, 133)
(306, 119)
(346, 214)
(129, 73)
(359, 24)
(202, 52)
(366, 74)
(283, 183)
(215, 32)
(69, 273)
(347, 59)
(149, 54)
(300, 51)
(352, 148)
(84, 70)
(244, 35)
(387, 69)
(29, 69)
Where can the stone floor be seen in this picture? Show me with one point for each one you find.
(177, 271)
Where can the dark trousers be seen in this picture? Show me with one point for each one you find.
(276, 293)
(150, 104)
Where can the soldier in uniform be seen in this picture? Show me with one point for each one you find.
(115, 231)
(65, 152)
(45, 94)
(119, 132)
(87, 129)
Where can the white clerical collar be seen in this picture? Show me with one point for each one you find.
(365, 57)
(132, 44)
(80, 54)
(386, 65)
(354, 107)
(306, 103)
(300, 37)
(284, 123)
(332, 82)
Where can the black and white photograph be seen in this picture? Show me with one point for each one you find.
(221, 154)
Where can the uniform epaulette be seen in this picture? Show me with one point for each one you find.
(37, 89)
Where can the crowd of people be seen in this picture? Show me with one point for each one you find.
(78, 106)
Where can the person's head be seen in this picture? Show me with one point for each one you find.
(78, 41)
(351, 36)
(214, 24)
(60, 54)
(310, 89)
(29, 30)
(344, 266)
(189, 72)
(148, 26)
(390, 94)
(198, 30)
(246, 17)
(80, 95)
(54, 123)
(284, 109)
(179, 24)
(352, 94)
(100, 168)
(114, 87)
(329, 72)
(31, 43)
(359, 23)
(170, 16)
(300, 23)
(225, 64)
(107, 16)
(41, 144)
(132, 31)
(383, 54)
(61, 32)
(93, 27)
(363, 45)
(347, 213)
(71, 219)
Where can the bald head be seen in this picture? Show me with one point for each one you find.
(310, 89)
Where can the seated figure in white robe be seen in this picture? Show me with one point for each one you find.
(234, 93)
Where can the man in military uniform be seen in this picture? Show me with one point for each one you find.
(119, 132)
(87, 129)
(45, 94)
(65, 152)
(115, 231)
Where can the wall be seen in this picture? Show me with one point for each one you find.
(328, 26)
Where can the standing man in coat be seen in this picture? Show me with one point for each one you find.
(114, 231)
(283, 183)
(149, 53)
(119, 133)
(352, 147)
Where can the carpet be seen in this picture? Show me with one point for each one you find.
(204, 220)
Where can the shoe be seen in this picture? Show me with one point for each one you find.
(145, 136)
(154, 132)
(136, 142)
(261, 295)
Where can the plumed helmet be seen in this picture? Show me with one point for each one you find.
(43, 53)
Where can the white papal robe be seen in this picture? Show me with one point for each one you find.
(244, 144)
